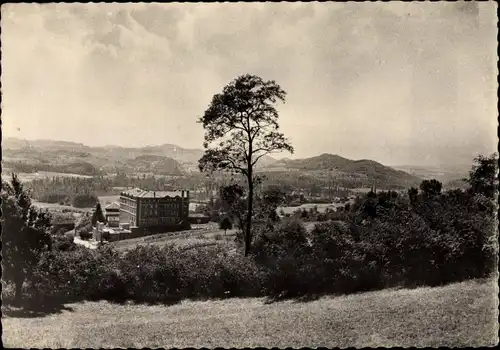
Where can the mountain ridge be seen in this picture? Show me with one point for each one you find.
(169, 159)
(339, 166)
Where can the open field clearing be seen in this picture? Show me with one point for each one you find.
(26, 177)
(320, 206)
(199, 235)
(59, 207)
(105, 200)
(463, 314)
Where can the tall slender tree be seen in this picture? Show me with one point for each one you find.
(98, 215)
(241, 126)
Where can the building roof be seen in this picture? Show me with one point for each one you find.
(137, 192)
(112, 205)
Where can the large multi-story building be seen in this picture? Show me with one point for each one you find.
(154, 209)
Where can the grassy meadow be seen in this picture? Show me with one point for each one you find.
(199, 235)
(26, 177)
(456, 315)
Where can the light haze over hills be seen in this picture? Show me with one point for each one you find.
(174, 160)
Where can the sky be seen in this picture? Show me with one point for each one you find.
(400, 83)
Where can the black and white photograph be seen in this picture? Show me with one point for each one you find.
(249, 174)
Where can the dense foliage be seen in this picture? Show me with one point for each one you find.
(25, 234)
(83, 226)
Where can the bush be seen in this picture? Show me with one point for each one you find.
(63, 243)
(343, 263)
(83, 227)
(212, 273)
(85, 201)
(66, 276)
(225, 224)
(150, 273)
(145, 274)
(282, 254)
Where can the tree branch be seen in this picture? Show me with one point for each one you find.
(260, 156)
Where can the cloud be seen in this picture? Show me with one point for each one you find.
(395, 82)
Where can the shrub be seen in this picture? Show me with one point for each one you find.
(85, 201)
(282, 253)
(106, 235)
(63, 243)
(150, 273)
(65, 276)
(83, 227)
(225, 224)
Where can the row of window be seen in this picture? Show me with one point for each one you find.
(127, 202)
(156, 221)
(162, 205)
(162, 213)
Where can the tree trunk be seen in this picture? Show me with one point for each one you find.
(19, 280)
(248, 233)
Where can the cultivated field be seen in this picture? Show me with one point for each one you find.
(59, 207)
(199, 235)
(26, 177)
(320, 206)
(105, 200)
(458, 315)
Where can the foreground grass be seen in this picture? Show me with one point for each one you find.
(463, 314)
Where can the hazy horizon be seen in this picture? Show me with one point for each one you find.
(399, 83)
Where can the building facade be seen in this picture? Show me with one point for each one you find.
(154, 209)
(112, 214)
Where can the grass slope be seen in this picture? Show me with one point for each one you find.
(205, 236)
(463, 314)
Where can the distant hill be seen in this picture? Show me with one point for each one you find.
(156, 164)
(324, 161)
(47, 155)
(168, 159)
(443, 174)
(69, 157)
(341, 167)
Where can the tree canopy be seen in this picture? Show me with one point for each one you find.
(483, 175)
(241, 125)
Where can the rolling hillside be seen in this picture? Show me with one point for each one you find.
(341, 167)
(167, 159)
(47, 155)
